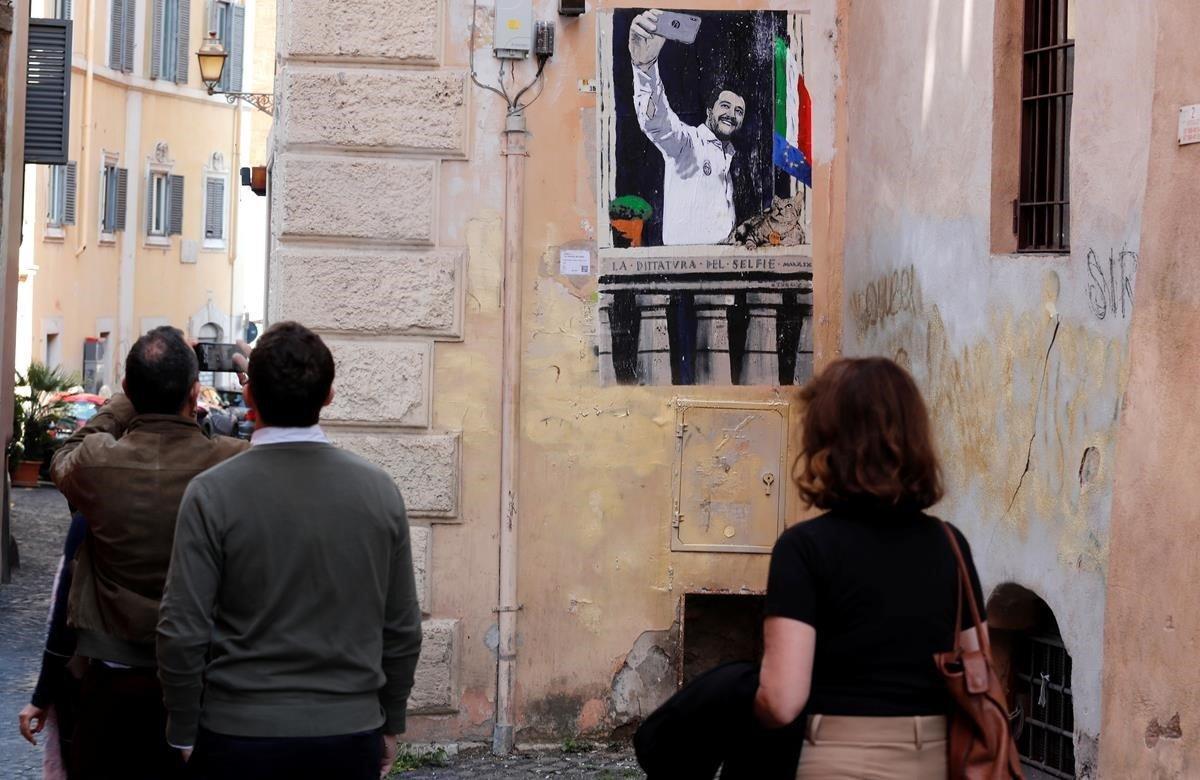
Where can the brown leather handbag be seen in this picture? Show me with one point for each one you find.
(980, 744)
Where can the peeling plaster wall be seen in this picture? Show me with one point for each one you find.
(1021, 373)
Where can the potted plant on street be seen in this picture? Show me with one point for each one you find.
(39, 405)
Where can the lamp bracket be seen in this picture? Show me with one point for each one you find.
(263, 101)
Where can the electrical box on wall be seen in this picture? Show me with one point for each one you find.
(514, 29)
(571, 7)
(730, 483)
(543, 39)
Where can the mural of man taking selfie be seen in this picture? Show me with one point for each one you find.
(697, 183)
(707, 131)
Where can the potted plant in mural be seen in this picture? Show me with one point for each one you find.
(38, 405)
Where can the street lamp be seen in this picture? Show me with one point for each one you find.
(212, 57)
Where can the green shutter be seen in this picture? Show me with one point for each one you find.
(183, 32)
(70, 178)
(175, 215)
(130, 20)
(214, 209)
(237, 37)
(122, 193)
(48, 92)
(156, 37)
(116, 34)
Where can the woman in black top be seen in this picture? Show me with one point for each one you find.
(860, 598)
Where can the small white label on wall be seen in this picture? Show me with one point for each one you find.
(1189, 125)
(575, 262)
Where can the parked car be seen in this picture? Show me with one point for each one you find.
(235, 403)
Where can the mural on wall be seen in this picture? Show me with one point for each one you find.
(705, 177)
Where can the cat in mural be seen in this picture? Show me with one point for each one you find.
(780, 225)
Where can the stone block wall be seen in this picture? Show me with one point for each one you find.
(355, 252)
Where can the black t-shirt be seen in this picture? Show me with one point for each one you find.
(880, 589)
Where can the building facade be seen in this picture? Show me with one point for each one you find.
(144, 225)
(591, 410)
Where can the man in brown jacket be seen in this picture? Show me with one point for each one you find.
(126, 471)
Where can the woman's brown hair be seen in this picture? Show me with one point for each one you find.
(866, 438)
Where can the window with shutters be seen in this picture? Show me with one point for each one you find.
(170, 45)
(159, 205)
(214, 212)
(228, 20)
(62, 9)
(114, 186)
(164, 206)
(122, 28)
(60, 209)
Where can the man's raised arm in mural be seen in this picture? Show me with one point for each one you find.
(697, 188)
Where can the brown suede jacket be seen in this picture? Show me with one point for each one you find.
(126, 473)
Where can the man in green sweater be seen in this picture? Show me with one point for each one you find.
(289, 630)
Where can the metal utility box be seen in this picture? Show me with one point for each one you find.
(514, 29)
(730, 470)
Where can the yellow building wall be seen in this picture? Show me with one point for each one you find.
(596, 568)
(72, 278)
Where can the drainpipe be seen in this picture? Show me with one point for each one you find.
(83, 226)
(514, 249)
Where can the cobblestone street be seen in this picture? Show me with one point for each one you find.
(477, 763)
(39, 523)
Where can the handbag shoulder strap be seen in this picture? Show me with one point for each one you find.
(966, 589)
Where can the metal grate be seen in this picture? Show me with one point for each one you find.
(1047, 740)
(1043, 211)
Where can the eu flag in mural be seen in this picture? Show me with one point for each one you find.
(793, 117)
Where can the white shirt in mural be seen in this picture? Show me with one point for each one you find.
(697, 185)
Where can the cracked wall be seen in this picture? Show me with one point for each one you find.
(1023, 369)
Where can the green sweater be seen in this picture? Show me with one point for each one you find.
(290, 608)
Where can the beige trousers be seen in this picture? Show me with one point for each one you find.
(845, 748)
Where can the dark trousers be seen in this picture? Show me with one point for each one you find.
(120, 728)
(345, 757)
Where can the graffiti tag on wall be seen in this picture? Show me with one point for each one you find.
(705, 175)
(1110, 283)
(884, 298)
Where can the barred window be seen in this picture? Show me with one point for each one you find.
(1043, 210)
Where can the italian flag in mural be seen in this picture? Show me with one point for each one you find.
(793, 117)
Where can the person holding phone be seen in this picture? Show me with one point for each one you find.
(698, 205)
(126, 472)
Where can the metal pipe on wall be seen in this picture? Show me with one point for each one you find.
(83, 228)
(515, 153)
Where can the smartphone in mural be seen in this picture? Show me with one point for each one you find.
(678, 27)
(216, 357)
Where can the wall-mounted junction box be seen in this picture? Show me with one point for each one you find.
(513, 39)
(730, 476)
